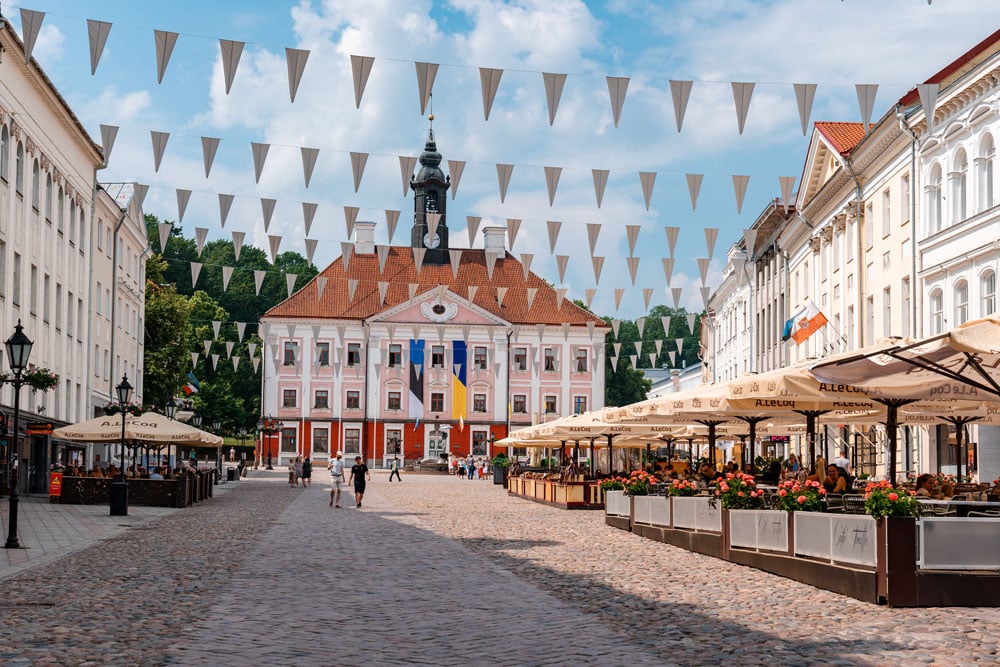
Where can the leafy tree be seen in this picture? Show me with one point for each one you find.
(168, 331)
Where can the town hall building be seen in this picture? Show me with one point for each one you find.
(425, 349)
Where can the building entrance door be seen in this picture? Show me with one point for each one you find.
(437, 443)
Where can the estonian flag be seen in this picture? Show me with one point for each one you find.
(193, 385)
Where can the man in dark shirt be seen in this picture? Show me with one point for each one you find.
(359, 476)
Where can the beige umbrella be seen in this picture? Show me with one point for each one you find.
(148, 427)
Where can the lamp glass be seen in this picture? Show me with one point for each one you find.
(18, 349)
(171, 409)
(124, 390)
(196, 420)
(216, 424)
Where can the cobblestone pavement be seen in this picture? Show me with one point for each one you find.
(437, 570)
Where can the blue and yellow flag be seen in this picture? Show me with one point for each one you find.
(458, 369)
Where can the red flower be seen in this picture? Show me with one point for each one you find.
(893, 497)
(801, 499)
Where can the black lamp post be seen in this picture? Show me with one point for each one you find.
(264, 426)
(18, 350)
(119, 487)
(170, 409)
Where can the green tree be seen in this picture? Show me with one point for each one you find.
(168, 332)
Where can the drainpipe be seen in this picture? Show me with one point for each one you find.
(114, 296)
(861, 254)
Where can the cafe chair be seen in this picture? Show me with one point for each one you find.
(989, 512)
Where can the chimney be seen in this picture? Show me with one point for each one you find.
(494, 239)
(675, 379)
(364, 238)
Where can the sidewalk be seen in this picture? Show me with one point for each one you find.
(49, 531)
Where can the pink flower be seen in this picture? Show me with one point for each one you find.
(801, 499)
(893, 497)
(782, 493)
(724, 486)
(740, 494)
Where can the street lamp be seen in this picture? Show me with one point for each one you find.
(18, 350)
(119, 487)
(266, 426)
(170, 409)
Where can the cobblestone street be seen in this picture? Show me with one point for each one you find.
(438, 571)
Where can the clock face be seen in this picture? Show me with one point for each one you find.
(432, 241)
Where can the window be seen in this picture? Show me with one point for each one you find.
(353, 400)
(395, 355)
(550, 359)
(288, 398)
(961, 303)
(72, 222)
(550, 404)
(393, 441)
(321, 441)
(46, 299)
(437, 402)
(479, 357)
(19, 170)
(959, 187)
(59, 306)
(59, 215)
(579, 405)
(479, 402)
(887, 312)
(519, 404)
(581, 360)
(36, 185)
(886, 259)
(352, 439)
(291, 352)
(322, 401)
(437, 356)
(100, 227)
(934, 200)
(323, 354)
(988, 289)
(353, 354)
(937, 312)
(904, 310)
(520, 358)
(288, 440)
(394, 401)
(3, 268)
(904, 199)
(869, 226)
(985, 168)
(5, 154)
(33, 290)
(886, 213)
(479, 440)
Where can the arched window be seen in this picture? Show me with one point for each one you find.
(61, 209)
(36, 184)
(987, 157)
(961, 303)
(937, 312)
(934, 200)
(959, 188)
(19, 170)
(988, 292)
(4, 154)
(48, 198)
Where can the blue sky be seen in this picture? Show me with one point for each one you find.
(775, 43)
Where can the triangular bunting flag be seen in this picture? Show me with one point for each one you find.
(672, 233)
(565, 330)
(560, 295)
(600, 183)
(711, 234)
(614, 364)
(647, 295)
(501, 293)
(361, 67)
(290, 279)
(165, 42)
(647, 179)
(665, 323)
(182, 201)
(804, 94)
(553, 92)
(561, 262)
(320, 286)
(238, 243)
(634, 358)
(694, 187)
(406, 166)
(382, 252)
(225, 204)
(673, 357)
(383, 289)
(616, 325)
(680, 344)
(742, 92)
(589, 294)
(309, 156)
(308, 215)
(207, 345)
(352, 287)
(267, 210)
(418, 258)
(273, 243)
(296, 61)
(164, 228)
(259, 151)
(659, 346)
(195, 271)
(668, 268)
(489, 79)
(425, 82)
(215, 361)
(553, 227)
(632, 235)
(258, 279)
(209, 147)
(194, 360)
(346, 251)
(391, 219)
(97, 33)
(433, 220)
(159, 140)
(593, 231)
(703, 269)
(472, 226)
(866, 102)
(472, 289)
(310, 249)
(552, 175)
(455, 256)
(619, 293)
(503, 178)
(532, 292)
(216, 328)
(750, 241)
(526, 259)
(491, 262)
(456, 167)
(676, 293)
(231, 53)
(691, 318)
(236, 362)
(928, 100)
(513, 226)
(252, 349)
(706, 295)
(350, 217)
(241, 328)
(590, 331)
(598, 264)
(786, 184)
(680, 92)
(740, 189)
(108, 135)
(227, 274)
(358, 162)
(652, 360)
(199, 239)
(617, 87)
(633, 267)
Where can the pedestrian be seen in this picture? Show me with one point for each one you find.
(394, 470)
(359, 476)
(336, 469)
(452, 464)
(470, 466)
(232, 454)
(307, 471)
(298, 470)
(292, 480)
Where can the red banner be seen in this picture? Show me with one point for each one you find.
(55, 484)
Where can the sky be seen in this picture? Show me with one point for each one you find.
(834, 44)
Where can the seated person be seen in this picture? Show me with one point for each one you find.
(927, 486)
(947, 491)
(708, 474)
(834, 482)
(156, 474)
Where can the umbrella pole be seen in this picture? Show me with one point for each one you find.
(891, 418)
(591, 457)
(611, 451)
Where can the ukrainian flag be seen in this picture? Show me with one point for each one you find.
(458, 371)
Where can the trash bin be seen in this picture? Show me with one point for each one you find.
(230, 474)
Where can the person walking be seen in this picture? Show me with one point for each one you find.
(307, 472)
(359, 476)
(292, 480)
(298, 471)
(394, 470)
(470, 467)
(336, 469)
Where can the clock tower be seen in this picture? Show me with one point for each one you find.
(430, 186)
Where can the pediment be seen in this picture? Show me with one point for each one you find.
(438, 306)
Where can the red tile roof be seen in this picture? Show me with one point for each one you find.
(957, 67)
(400, 270)
(842, 136)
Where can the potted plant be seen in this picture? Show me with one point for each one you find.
(638, 483)
(500, 463)
(682, 487)
(801, 496)
(882, 500)
(737, 491)
(612, 484)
